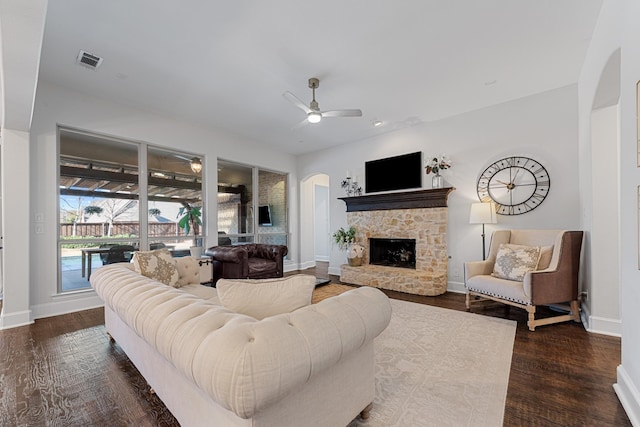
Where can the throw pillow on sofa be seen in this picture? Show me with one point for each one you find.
(514, 261)
(157, 265)
(188, 271)
(260, 298)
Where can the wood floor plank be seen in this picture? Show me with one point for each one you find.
(64, 371)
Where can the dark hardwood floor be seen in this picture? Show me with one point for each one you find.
(561, 375)
(63, 371)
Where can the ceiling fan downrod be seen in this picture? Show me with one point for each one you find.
(313, 84)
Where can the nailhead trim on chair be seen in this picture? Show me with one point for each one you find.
(500, 296)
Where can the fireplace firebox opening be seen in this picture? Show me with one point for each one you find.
(393, 252)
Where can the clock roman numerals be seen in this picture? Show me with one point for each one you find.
(516, 184)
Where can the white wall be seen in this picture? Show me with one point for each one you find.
(16, 309)
(602, 305)
(56, 105)
(543, 127)
(616, 29)
(628, 385)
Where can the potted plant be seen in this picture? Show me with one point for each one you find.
(191, 219)
(345, 239)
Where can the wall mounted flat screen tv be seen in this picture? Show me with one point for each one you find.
(264, 216)
(393, 173)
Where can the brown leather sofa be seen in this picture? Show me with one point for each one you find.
(247, 261)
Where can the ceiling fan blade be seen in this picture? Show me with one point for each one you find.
(301, 124)
(342, 113)
(296, 101)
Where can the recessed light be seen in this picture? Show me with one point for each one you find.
(377, 123)
(490, 82)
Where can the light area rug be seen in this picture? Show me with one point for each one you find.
(440, 367)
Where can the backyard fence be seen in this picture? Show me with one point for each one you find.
(118, 229)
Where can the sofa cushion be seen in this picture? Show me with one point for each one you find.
(260, 298)
(157, 265)
(506, 289)
(188, 271)
(514, 261)
(205, 292)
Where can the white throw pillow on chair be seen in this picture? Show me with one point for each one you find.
(262, 298)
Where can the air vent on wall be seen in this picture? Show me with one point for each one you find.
(88, 60)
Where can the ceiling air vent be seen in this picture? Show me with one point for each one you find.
(88, 60)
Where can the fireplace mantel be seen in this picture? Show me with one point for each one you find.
(436, 198)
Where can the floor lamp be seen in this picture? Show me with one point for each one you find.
(483, 213)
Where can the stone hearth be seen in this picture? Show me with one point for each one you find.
(428, 226)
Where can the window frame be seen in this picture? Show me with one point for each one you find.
(142, 199)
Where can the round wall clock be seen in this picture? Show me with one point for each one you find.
(516, 185)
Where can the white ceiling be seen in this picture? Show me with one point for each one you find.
(226, 64)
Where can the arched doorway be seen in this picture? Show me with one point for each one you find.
(602, 284)
(315, 236)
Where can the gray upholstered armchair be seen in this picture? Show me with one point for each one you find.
(554, 279)
(248, 261)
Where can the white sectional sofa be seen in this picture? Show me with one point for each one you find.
(212, 366)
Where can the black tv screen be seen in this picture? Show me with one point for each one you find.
(393, 173)
(264, 215)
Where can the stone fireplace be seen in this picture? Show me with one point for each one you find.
(413, 221)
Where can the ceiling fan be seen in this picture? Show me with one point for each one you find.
(194, 162)
(314, 115)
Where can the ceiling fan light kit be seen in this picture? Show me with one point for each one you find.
(196, 165)
(314, 115)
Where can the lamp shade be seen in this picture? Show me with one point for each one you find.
(483, 213)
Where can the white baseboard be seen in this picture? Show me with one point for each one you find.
(321, 258)
(600, 325)
(307, 264)
(13, 320)
(64, 304)
(628, 394)
(457, 287)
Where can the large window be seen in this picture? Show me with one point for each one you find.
(117, 197)
(272, 208)
(173, 186)
(252, 205)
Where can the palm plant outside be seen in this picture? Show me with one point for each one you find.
(190, 219)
